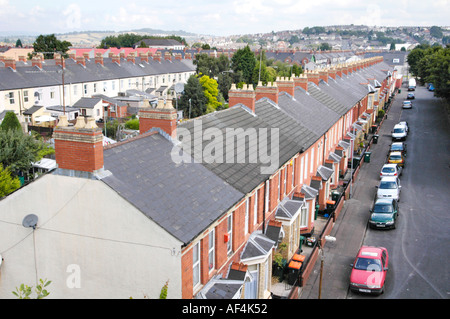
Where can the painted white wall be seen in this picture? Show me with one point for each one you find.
(119, 252)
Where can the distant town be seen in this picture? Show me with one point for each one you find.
(338, 37)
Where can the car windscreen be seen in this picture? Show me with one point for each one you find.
(382, 208)
(395, 157)
(388, 185)
(368, 264)
(398, 130)
(396, 148)
(388, 170)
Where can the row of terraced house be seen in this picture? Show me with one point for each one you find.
(203, 204)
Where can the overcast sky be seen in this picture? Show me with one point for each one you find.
(223, 17)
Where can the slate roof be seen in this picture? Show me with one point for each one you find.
(308, 111)
(87, 102)
(182, 198)
(32, 109)
(258, 245)
(29, 76)
(245, 175)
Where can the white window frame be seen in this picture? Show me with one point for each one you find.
(211, 250)
(196, 269)
(230, 233)
(304, 215)
(255, 209)
(247, 209)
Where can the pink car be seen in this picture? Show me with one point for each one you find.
(369, 270)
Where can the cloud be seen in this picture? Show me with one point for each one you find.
(72, 16)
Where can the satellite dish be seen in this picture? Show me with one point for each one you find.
(179, 87)
(30, 221)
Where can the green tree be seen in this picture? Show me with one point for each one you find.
(244, 60)
(261, 74)
(18, 150)
(132, 124)
(439, 72)
(325, 47)
(19, 43)
(224, 81)
(49, 43)
(436, 32)
(297, 70)
(10, 122)
(8, 183)
(211, 92)
(193, 101)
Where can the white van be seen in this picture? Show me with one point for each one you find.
(399, 132)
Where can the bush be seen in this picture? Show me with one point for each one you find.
(132, 124)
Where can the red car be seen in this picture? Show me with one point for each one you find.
(369, 270)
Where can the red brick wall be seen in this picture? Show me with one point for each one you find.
(186, 275)
(168, 126)
(79, 156)
(268, 92)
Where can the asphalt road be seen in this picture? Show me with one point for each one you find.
(419, 249)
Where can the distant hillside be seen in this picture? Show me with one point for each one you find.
(94, 38)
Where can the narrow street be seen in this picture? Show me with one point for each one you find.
(418, 251)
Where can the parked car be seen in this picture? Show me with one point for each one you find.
(396, 158)
(400, 132)
(369, 270)
(384, 214)
(405, 124)
(407, 105)
(391, 170)
(410, 96)
(389, 187)
(399, 147)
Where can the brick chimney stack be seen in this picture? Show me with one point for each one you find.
(323, 75)
(99, 58)
(301, 81)
(313, 76)
(81, 60)
(245, 96)
(157, 56)
(164, 116)
(10, 63)
(332, 73)
(37, 61)
(78, 147)
(144, 56)
(339, 70)
(22, 58)
(59, 60)
(115, 58)
(286, 84)
(167, 56)
(131, 58)
(270, 91)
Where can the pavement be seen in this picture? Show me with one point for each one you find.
(351, 225)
